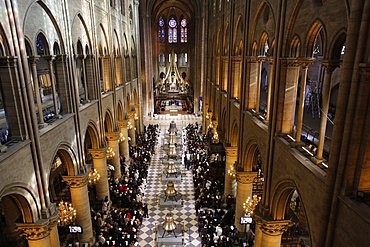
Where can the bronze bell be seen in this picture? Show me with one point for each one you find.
(169, 224)
(172, 127)
(172, 139)
(172, 150)
(170, 189)
(171, 168)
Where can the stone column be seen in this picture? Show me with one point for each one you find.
(330, 66)
(272, 232)
(208, 121)
(302, 95)
(123, 145)
(230, 182)
(288, 94)
(270, 87)
(113, 138)
(257, 231)
(244, 189)
(33, 60)
(54, 236)
(84, 79)
(254, 83)
(80, 201)
(99, 158)
(53, 86)
(37, 234)
(131, 127)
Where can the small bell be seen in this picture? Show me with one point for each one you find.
(172, 151)
(171, 168)
(172, 139)
(169, 224)
(172, 127)
(170, 190)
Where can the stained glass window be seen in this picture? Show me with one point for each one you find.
(172, 31)
(39, 46)
(161, 32)
(184, 31)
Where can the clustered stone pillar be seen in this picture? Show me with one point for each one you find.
(53, 86)
(113, 138)
(230, 182)
(131, 128)
(272, 232)
(99, 157)
(208, 120)
(53, 226)
(244, 190)
(330, 66)
(123, 145)
(37, 234)
(302, 95)
(33, 60)
(80, 201)
(270, 88)
(288, 93)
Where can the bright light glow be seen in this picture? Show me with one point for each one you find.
(291, 138)
(305, 149)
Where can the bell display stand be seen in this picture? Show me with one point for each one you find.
(164, 238)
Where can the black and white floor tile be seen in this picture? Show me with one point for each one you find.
(183, 215)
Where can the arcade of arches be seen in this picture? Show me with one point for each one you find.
(280, 86)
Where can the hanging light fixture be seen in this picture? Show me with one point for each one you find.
(67, 214)
(129, 125)
(136, 117)
(250, 204)
(121, 137)
(94, 177)
(110, 153)
(231, 172)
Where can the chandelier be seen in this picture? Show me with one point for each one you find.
(136, 117)
(94, 177)
(110, 153)
(121, 137)
(129, 125)
(250, 204)
(231, 172)
(67, 214)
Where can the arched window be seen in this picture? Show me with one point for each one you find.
(172, 31)
(184, 31)
(161, 31)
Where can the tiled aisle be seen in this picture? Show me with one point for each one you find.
(184, 214)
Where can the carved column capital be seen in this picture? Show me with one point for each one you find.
(33, 59)
(35, 231)
(231, 151)
(8, 61)
(365, 70)
(245, 177)
(76, 181)
(122, 123)
(49, 58)
(306, 61)
(98, 153)
(112, 136)
(330, 65)
(275, 228)
(270, 59)
(289, 62)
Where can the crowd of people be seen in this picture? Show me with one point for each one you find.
(117, 221)
(215, 213)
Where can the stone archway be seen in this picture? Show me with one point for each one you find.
(15, 209)
(287, 204)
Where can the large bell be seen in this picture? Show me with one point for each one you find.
(172, 151)
(171, 168)
(172, 139)
(169, 224)
(170, 190)
(172, 127)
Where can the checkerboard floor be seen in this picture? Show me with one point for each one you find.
(184, 214)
